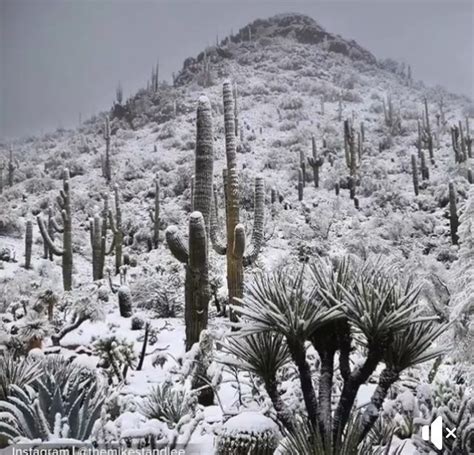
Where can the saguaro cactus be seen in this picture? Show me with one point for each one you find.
(107, 169)
(315, 162)
(236, 110)
(235, 245)
(303, 166)
(28, 243)
(115, 223)
(300, 185)
(197, 289)
(11, 168)
(98, 232)
(155, 214)
(123, 293)
(453, 214)
(414, 172)
(195, 255)
(64, 202)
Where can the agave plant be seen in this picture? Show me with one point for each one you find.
(67, 407)
(341, 308)
(15, 371)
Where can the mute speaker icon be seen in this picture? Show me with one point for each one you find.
(434, 432)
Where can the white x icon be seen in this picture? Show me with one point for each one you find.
(450, 433)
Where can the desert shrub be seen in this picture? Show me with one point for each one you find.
(38, 185)
(291, 103)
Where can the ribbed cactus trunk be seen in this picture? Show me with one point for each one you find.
(155, 214)
(107, 167)
(116, 227)
(300, 185)
(315, 162)
(195, 255)
(204, 162)
(11, 169)
(235, 245)
(28, 243)
(64, 202)
(414, 173)
(453, 214)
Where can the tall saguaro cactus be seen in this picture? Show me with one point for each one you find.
(195, 255)
(11, 168)
(28, 243)
(315, 162)
(98, 232)
(64, 202)
(155, 214)
(235, 245)
(107, 168)
(453, 214)
(197, 290)
(115, 223)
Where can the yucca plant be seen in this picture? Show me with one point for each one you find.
(288, 305)
(67, 407)
(262, 354)
(341, 308)
(168, 403)
(307, 439)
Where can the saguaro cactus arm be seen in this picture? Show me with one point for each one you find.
(176, 244)
(258, 222)
(44, 233)
(218, 245)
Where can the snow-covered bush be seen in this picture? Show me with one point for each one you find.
(249, 433)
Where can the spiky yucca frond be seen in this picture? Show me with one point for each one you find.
(414, 345)
(286, 304)
(15, 371)
(262, 353)
(380, 308)
(168, 403)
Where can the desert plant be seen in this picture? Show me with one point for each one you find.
(64, 202)
(62, 406)
(234, 248)
(337, 308)
(249, 433)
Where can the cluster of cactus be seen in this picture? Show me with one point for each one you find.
(155, 214)
(64, 202)
(195, 255)
(235, 248)
(249, 433)
(106, 167)
(462, 142)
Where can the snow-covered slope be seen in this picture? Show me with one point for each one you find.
(294, 81)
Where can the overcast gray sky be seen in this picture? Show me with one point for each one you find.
(62, 57)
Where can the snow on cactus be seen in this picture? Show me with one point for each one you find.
(249, 433)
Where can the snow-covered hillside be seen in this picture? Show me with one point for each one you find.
(294, 85)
